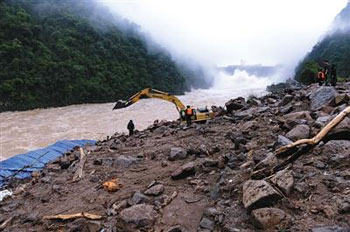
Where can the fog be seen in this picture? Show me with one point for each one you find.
(268, 32)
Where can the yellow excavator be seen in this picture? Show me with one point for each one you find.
(199, 115)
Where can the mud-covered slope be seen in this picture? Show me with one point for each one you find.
(200, 178)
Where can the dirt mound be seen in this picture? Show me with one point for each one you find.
(171, 178)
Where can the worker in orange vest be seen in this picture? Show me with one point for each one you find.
(321, 77)
(188, 115)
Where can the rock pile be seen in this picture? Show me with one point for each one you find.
(204, 178)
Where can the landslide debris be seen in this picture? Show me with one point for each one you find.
(172, 178)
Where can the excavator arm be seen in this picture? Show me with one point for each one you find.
(150, 93)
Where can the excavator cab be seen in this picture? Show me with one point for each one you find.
(201, 114)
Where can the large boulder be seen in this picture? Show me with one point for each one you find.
(340, 99)
(286, 99)
(266, 218)
(138, 198)
(342, 129)
(155, 190)
(284, 180)
(337, 152)
(322, 97)
(139, 215)
(258, 193)
(184, 171)
(124, 161)
(322, 121)
(235, 104)
(299, 132)
(177, 153)
(269, 162)
(298, 115)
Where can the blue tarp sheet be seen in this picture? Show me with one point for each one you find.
(36, 160)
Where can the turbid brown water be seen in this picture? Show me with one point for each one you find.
(24, 131)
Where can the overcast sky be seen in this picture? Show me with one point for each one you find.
(225, 32)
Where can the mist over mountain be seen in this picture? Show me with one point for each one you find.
(334, 47)
(61, 52)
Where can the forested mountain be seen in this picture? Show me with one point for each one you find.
(61, 52)
(334, 47)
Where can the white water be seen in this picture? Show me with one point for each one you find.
(24, 131)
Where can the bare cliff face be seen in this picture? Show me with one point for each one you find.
(203, 178)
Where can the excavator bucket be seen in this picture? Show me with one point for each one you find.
(120, 104)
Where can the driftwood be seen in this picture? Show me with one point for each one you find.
(5, 223)
(80, 169)
(300, 147)
(73, 216)
(315, 140)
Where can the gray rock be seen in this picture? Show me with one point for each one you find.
(210, 163)
(269, 162)
(344, 208)
(337, 151)
(285, 100)
(124, 161)
(298, 115)
(340, 99)
(284, 180)
(235, 104)
(320, 165)
(176, 228)
(331, 229)
(156, 190)
(282, 141)
(177, 153)
(138, 198)
(266, 218)
(299, 132)
(322, 97)
(184, 171)
(258, 193)
(207, 224)
(343, 126)
(322, 121)
(139, 215)
(211, 212)
(286, 109)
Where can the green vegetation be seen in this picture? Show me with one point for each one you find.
(61, 52)
(307, 73)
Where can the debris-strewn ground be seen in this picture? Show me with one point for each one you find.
(170, 178)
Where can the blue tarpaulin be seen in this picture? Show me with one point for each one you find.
(22, 165)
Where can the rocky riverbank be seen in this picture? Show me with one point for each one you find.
(174, 179)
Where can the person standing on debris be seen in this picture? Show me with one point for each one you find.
(188, 115)
(320, 77)
(333, 75)
(326, 71)
(131, 127)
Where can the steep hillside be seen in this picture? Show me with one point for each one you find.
(334, 47)
(56, 53)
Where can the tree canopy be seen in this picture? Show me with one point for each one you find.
(61, 52)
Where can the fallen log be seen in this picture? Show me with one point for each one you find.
(315, 140)
(73, 216)
(79, 173)
(300, 147)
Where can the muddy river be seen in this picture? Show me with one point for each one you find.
(28, 130)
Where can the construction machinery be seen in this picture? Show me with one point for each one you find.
(199, 115)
